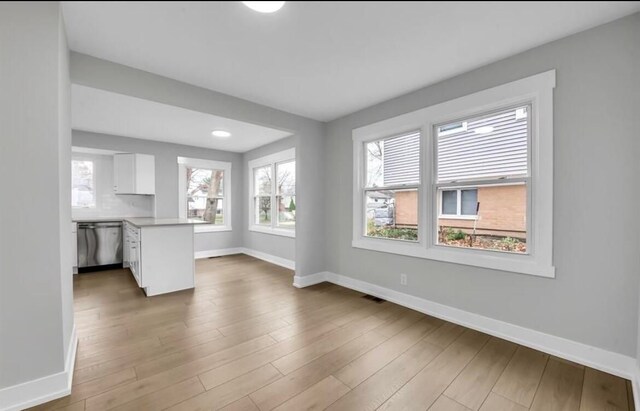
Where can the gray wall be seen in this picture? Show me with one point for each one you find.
(308, 134)
(36, 316)
(284, 247)
(594, 299)
(64, 179)
(166, 156)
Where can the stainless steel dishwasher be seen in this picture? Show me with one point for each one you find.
(99, 245)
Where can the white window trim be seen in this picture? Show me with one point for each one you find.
(457, 217)
(183, 163)
(269, 160)
(537, 91)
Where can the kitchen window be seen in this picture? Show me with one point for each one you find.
(83, 191)
(478, 171)
(272, 194)
(204, 193)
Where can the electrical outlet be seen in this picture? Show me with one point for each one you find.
(403, 279)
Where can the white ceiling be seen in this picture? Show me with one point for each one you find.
(101, 111)
(322, 59)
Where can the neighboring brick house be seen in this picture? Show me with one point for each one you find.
(488, 148)
(502, 212)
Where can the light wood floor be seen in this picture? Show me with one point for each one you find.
(245, 339)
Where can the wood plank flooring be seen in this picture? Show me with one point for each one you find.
(246, 339)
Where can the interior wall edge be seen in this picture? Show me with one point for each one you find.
(43, 389)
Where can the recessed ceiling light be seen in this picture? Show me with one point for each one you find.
(220, 133)
(264, 6)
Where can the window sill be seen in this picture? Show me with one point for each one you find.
(521, 264)
(273, 231)
(457, 217)
(210, 228)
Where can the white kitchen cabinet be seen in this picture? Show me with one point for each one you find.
(160, 257)
(135, 252)
(134, 174)
(126, 240)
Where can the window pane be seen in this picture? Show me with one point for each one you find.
(262, 208)
(287, 211)
(286, 177)
(450, 202)
(492, 146)
(394, 161)
(392, 214)
(501, 224)
(262, 180)
(469, 199)
(374, 163)
(205, 192)
(82, 190)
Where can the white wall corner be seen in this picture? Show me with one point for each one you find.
(302, 281)
(41, 390)
(598, 358)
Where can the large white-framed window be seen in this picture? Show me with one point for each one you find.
(272, 193)
(204, 193)
(83, 183)
(484, 196)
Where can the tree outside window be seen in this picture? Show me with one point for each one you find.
(273, 205)
(205, 194)
(286, 194)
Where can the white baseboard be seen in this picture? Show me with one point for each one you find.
(283, 262)
(603, 360)
(41, 390)
(635, 385)
(309, 280)
(217, 253)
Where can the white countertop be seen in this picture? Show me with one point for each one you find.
(98, 219)
(151, 222)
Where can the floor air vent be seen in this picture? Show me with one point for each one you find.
(374, 299)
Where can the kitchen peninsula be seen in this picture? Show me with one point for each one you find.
(159, 252)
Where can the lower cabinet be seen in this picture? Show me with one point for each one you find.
(134, 257)
(125, 244)
(161, 258)
(131, 251)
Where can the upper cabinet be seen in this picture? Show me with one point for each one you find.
(134, 174)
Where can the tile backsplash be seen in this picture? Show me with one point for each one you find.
(107, 203)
